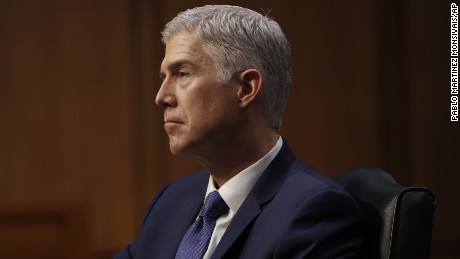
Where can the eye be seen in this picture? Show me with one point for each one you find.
(183, 73)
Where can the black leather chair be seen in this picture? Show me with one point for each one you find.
(398, 221)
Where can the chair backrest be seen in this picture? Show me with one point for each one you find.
(397, 220)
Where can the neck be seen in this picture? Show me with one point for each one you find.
(239, 155)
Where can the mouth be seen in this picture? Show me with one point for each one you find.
(172, 121)
(171, 124)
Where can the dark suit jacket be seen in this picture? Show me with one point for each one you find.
(292, 212)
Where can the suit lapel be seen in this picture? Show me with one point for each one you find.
(191, 207)
(264, 190)
(245, 215)
(185, 212)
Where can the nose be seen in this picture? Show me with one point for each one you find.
(165, 97)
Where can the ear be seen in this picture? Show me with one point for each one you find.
(250, 86)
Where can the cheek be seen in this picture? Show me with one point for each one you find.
(200, 118)
(205, 109)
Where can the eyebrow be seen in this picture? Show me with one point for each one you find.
(176, 64)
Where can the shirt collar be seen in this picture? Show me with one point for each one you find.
(235, 190)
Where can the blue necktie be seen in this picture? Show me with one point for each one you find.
(196, 240)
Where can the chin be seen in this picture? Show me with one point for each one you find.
(177, 147)
(175, 150)
(185, 151)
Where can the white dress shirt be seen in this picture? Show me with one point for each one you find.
(234, 192)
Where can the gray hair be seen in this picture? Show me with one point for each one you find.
(236, 39)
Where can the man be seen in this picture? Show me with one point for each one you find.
(226, 77)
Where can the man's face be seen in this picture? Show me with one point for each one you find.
(200, 114)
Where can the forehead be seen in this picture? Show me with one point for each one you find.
(184, 47)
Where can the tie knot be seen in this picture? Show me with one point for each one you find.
(214, 206)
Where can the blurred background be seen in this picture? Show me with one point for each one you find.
(82, 145)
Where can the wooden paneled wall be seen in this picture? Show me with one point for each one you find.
(78, 124)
